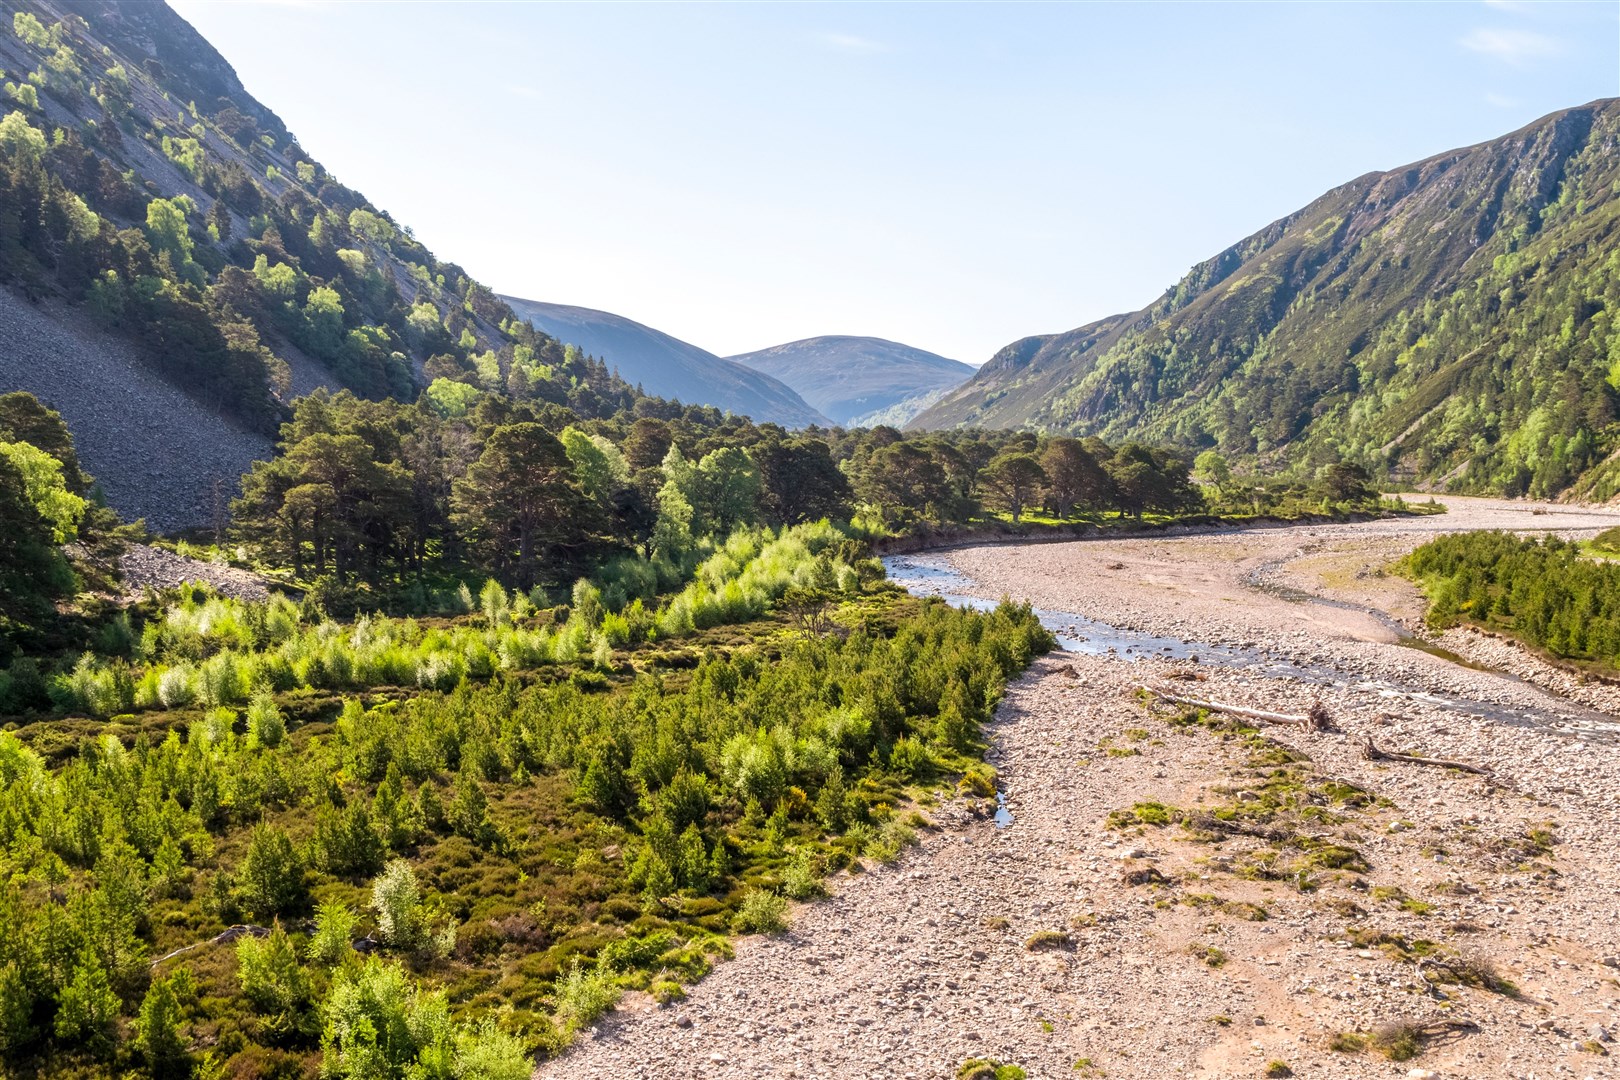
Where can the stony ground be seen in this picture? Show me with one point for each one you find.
(156, 453)
(144, 567)
(1295, 894)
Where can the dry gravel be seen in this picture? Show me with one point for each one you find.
(904, 973)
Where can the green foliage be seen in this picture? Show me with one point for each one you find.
(762, 912)
(1465, 339)
(270, 879)
(378, 1025)
(158, 1034)
(333, 939)
(1541, 591)
(584, 994)
(30, 30)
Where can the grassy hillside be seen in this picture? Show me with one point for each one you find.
(669, 367)
(1446, 323)
(143, 186)
(859, 381)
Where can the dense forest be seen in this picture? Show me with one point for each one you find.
(1549, 593)
(1446, 323)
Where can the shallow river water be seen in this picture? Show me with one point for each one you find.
(933, 575)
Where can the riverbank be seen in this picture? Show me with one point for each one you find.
(1096, 935)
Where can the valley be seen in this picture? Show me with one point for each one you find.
(1177, 894)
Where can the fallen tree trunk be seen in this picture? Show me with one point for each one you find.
(1315, 720)
(1371, 751)
(229, 934)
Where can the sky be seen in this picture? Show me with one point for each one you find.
(952, 176)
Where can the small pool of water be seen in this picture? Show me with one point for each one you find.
(1004, 816)
(932, 575)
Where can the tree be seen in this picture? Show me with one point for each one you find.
(1344, 482)
(598, 466)
(158, 1030)
(1211, 468)
(1148, 479)
(44, 488)
(270, 880)
(24, 419)
(1074, 477)
(724, 492)
(21, 140)
(1013, 481)
(274, 984)
(905, 482)
(87, 1007)
(801, 482)
(521, 507)
(32, 571)
(647, 443)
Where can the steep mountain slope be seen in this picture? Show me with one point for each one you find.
(144, 190)
(852, 378)
(1449, 322)
(669, 367)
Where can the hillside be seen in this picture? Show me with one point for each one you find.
(146, 197)
(1447, 323)
(668, 367)
(852, 379)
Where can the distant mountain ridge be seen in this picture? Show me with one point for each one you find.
(1449, 322)
(668, 367)
(857, 380)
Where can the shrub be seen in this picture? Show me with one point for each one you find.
(584, 994)
(988, 1069)
(761, 912)
(802, 879)
(333, 939)
(177, 686)
(1398, 1040)
(1048, 940)
(266, 727)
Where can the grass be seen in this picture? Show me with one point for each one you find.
(1048, 941)
(1398, 1040)
(1278, 1068)
(1209, 954)
(1143, 813)
(989, 1069)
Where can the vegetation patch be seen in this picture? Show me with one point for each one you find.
(988, 1069)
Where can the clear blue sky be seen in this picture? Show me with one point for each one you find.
(950, 176)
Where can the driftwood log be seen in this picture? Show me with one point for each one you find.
(1317, 719)
(229, 934)
(1372, 752)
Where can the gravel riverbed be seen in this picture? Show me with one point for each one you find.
(1192, 952)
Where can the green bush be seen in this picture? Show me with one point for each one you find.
(762, 912)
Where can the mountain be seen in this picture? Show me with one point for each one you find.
(1450, 322)
(669, 367)
(175, 267)
(854, 379)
